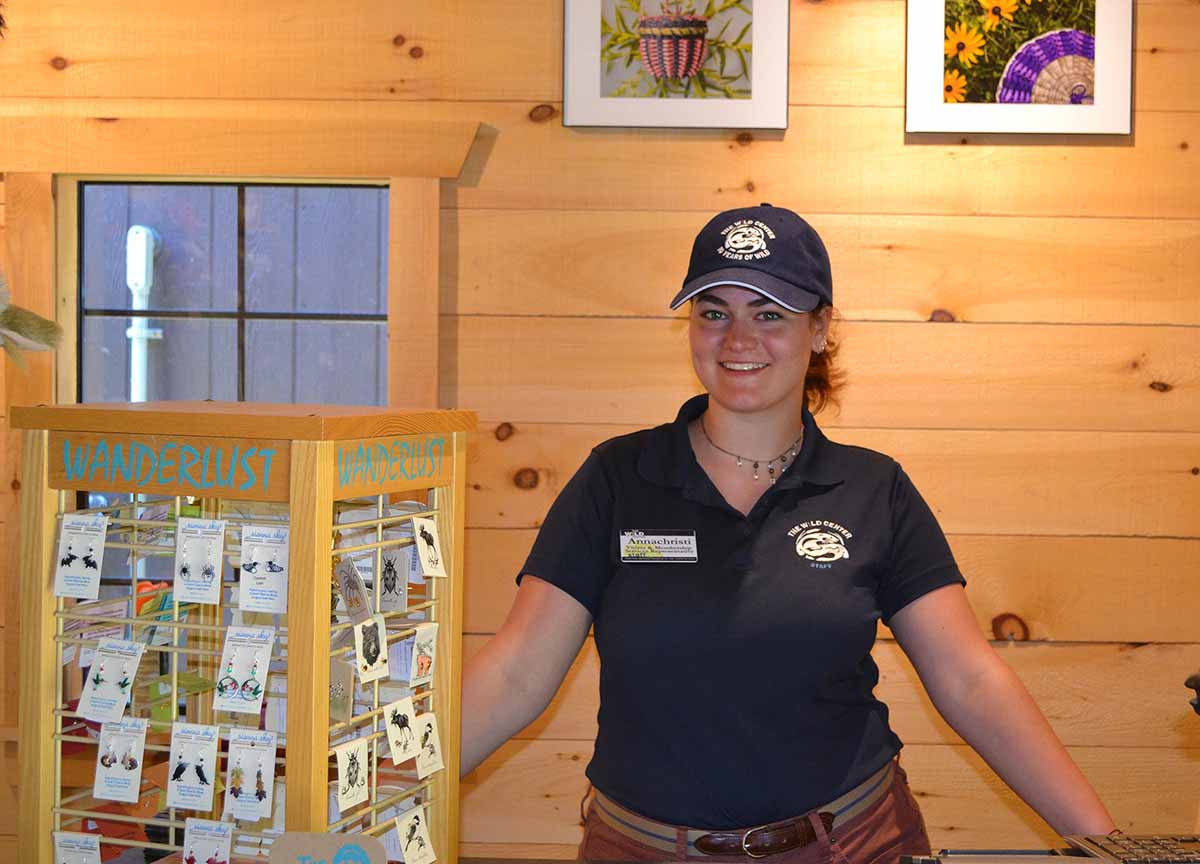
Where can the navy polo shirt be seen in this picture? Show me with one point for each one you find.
(737, 690)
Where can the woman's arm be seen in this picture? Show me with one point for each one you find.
(986, 703)
(516, 674)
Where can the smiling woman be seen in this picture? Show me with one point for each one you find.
(736, 564)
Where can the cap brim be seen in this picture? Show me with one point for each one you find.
(785, 294)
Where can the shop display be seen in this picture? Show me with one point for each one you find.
(218, 615)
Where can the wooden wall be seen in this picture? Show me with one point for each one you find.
(1019, 315)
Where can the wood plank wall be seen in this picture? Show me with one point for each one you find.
(1019, 313)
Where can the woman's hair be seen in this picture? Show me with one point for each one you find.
(823, 381)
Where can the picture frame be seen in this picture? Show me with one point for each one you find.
(1039, 67)
(740, 81)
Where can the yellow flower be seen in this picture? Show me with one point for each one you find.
(995, 10)
(954, 86)
(965, 42)
(1030, 2)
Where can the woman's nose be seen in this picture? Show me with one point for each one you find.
(739, 336)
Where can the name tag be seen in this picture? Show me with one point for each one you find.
(658, 545)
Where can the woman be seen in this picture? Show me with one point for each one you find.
(734, 564)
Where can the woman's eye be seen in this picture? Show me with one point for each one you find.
(768, 315)
(712, 315)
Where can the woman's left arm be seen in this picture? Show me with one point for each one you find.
(986, 703)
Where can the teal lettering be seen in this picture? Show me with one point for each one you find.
(188, 456)
(227, 479)
(267, 455)
(142, 454)
(119, 463)
(345, 467)
(165, 462)
(205, 463)
(99, 460)
(405, 464)
(74, 466)
(394, 466)
(249, 472)
(382, 464)
(360, 463)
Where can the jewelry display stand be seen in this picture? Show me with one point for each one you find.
(346, 482)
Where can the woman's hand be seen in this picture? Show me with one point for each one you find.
(986, 703)
(516, 674)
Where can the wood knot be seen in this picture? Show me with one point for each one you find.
(416, 52)
(106, 119)
(1154, 49)
(1183, 145)
(1010, 628)
(59, 63)
(542, 113)
(526, 478)
(1195, 473)
(942, 316)
(963, 141)
(749, 186)
(745, 139)
(1160, 386)
(398, 40)
(15, 485)
(504, 431)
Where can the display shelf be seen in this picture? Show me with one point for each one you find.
(347, 483)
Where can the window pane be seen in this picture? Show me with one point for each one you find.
(195, 359)
(196, 267)
(315, 249)
(331, 362)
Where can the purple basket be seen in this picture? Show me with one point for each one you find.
(1057, 67)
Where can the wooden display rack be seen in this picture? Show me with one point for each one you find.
(311, 460)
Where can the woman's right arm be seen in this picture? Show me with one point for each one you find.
(516, 674)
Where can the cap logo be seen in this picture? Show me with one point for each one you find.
(746, 240)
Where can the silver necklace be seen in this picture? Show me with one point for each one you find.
(782, 458)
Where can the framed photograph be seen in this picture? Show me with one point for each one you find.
(718, 64)
(1019, 66)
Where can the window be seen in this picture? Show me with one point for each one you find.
(267, 293)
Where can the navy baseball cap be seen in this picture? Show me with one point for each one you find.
(767, 249)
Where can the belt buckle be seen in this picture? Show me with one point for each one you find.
(746, 840)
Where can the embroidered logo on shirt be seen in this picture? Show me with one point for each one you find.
(821, 540)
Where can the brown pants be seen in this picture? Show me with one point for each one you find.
(892, 827)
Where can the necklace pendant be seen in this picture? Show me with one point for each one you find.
(755, 470)
(739, 461)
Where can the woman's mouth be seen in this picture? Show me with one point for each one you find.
(743, 367)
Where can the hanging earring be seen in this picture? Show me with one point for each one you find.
(128, 762)
(235, 778)
(819, 345)
(191, 857)
(185, 569)
(260, 788)
(98, 676)
(69, 559)
(249, 566)
(272, 567)
(109, 759)
(251, 688)
(228, 685)
(200, 771)
(124, 682)
(180, 767)
(89, 561)
(208, 571)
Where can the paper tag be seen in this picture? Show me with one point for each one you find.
(429, 547)
(370, 649)
(119, 760)
(429, 753)
(341, 690)
(245, 663)
(352, 773)
(110, 680)
(399, 717)
(415, 843)
(250, 778)
(659, 545)
(353, 591)
(72, 848)
(424, 654)
(80, 555)
(393, 582)
(193, 765)
(199, 562)
(206, 841)
(263, 584)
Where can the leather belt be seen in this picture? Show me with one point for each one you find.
(754, 842)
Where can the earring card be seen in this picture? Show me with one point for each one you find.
(245, 662)
(119, 760)
(72, 848)
(352, 773)
(110, 680)
(429, 754)
(206, 841)
(199, 550)
(80, 555)
(263, 569)
(354, 592)
(370, 649)
(415, 842)
(192, 766)
(429, 548)
(250, 779)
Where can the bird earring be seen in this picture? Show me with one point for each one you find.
(97, 677)
(200, 775)
(228, 685)
(251, 688)
(89, 560)
(124, 682)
